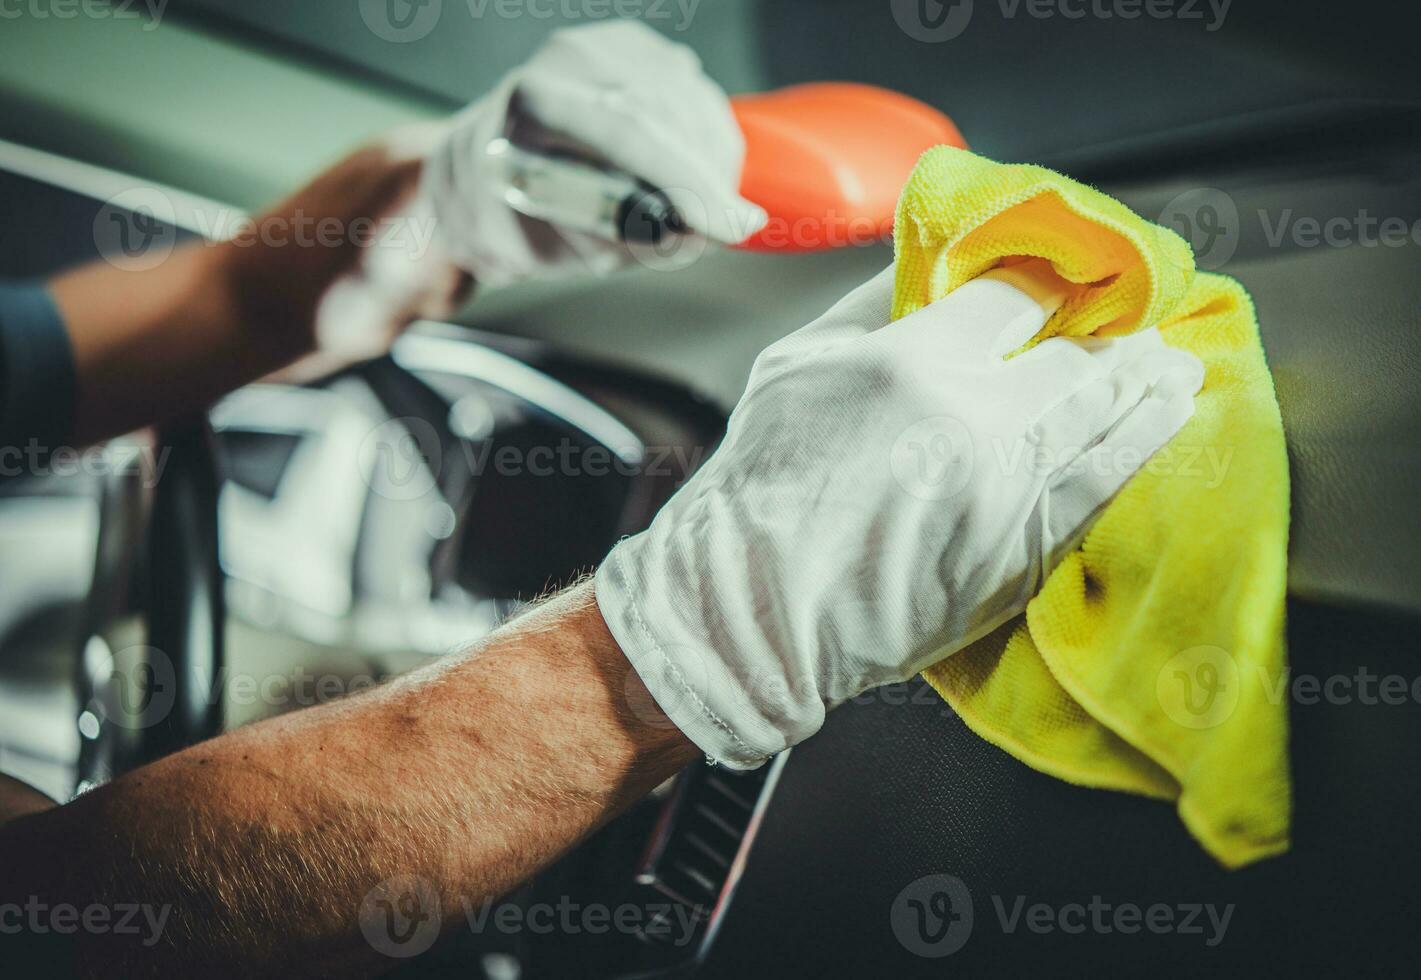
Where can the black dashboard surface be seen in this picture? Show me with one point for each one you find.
(895, 789)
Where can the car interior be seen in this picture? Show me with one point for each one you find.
(277, 545)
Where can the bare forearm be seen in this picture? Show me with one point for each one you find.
(469, 776)
(18, 800)
(153, 343)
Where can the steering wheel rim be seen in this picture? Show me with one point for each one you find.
(166, 695)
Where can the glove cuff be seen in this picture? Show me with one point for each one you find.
(707, 698)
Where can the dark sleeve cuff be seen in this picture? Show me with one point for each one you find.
(37, 386)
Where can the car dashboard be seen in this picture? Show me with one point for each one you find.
(338, 562)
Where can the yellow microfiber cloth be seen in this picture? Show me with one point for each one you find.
(1151, 659)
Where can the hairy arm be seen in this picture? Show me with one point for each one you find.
(470, 775)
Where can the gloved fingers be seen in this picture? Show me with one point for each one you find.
(1156, 367)
(1090, 480)
(727, 151)
(722, 216)
(1164, 369)
(1060, 365)
(665, 78)
(861, 311)
(1110, 352)
(989, 317)
(1135, 367)
(447, 173)
(1076, 422)
(642, 140)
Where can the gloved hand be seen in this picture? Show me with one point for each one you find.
(615, 92)
(885, 494)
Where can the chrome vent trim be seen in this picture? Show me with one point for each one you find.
(698, 854)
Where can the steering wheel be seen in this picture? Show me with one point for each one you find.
(142, 702)
(148, 701)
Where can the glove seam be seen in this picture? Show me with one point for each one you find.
(641, 626)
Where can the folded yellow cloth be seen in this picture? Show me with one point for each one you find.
(1152, 659)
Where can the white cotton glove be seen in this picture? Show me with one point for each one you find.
(616, 93)
(401, 274)
(885, 495)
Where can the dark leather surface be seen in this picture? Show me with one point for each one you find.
(890, 792)
(1340, 328)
